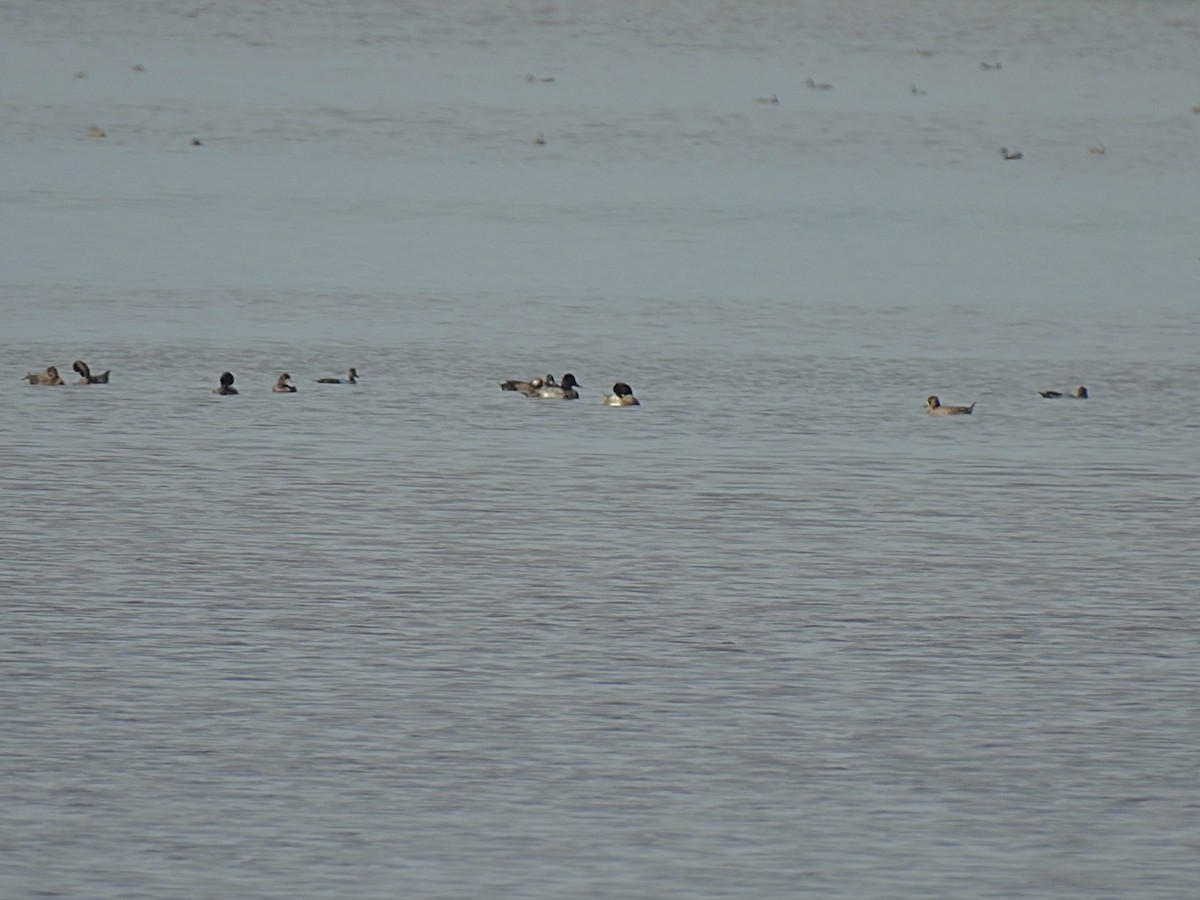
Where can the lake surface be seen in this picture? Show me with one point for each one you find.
(772, 633)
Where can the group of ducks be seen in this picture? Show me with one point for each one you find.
(51, 376)
(282, 384)
(935, 407)
(548, 389)
(545, 388)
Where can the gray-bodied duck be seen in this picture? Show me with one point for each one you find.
(564, 390)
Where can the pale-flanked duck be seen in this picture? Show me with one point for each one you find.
(562, 391)
(773, 100)
(1080, 393)
(281, 385)
(622, 395)
(86, 376)
(1011, 154)
(50, 376)
(226, 385)
(819, 85)
(933, 406)
(351, 378)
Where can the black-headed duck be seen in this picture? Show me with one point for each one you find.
(622, 395)
(563, 391)
(50, 376)
(281, 385)
(933, 406)
(226, 385)
(86, 376)
(1080, 393)
(351, 378)
(1011, 154)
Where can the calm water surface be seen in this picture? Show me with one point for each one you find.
(773, 633)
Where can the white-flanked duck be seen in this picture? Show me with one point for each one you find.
(562, 391)
(622, 395)
(86, 376)
(50, 377)
(933, 406)
(1011, 154)
(351, 378)
(281, 385)
(1080, 393)
(226, 385)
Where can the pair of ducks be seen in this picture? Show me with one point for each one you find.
(281, 385)
(51, 376)
(546, 388)
(934, 406)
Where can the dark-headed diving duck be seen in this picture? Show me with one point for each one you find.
(1080, 393)
(562, 391)
(622, 395)
(86, 376)
(226, 385)
(351, 378)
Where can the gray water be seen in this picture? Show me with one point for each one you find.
(772, 633)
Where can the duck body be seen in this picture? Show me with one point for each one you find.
(1011, 154)
(226, 386)
(281, 385)
(934, 407)
(622, 395)
(563, 391)
(1080, 393)
(86, 376)
(49, 377)
(528, 388)
(351, 378)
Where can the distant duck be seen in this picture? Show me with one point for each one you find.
(1011, 154)
(622, 395)
(1098, 150)
(532, 386)
(539, 139)
(196, 142)
(281, 385)
(1080, 393)
(86, 376)
(917, 51)
(537, 79)
(933, 406)
(351, 378)
(1196, 109)
(96, 131)
(916, 91)
(991, 67)
(138, 67)
(564, 391)
(49, 377)
(773, 100)
(819, 85)
(226, 385)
